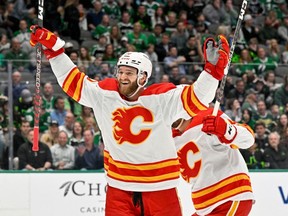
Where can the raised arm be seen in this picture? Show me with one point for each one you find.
(72, 81)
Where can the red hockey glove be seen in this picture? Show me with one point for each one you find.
(216, 125)
(48, 40)
(216, 57)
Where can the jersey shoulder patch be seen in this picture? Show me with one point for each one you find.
(110, 84)
(158, 88)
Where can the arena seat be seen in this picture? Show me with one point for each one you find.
(86, 35)
(281, 70)
(74, 42)
(89, 43)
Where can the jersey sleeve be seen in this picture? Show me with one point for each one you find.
(244, 137)
(73, 82)
(205, 88)
(193, 98)
(196, 97)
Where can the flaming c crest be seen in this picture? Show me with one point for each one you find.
(123, 119)
(188, 171)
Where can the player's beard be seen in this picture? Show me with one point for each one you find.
(129, 89)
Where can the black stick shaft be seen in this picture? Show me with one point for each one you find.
(37, 98)
(233, 44)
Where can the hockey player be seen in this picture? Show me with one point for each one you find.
(211, 162)
(141, 161)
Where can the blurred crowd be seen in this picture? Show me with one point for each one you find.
(171, 33)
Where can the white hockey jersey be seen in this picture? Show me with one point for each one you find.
(216, 171)
(140, 153)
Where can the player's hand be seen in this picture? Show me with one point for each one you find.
(53, 44)
(216, 56)
(46, 38)
(216, 125)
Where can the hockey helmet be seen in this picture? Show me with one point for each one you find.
(137, 60)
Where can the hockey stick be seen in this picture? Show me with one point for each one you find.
(37, 98)
(235, 37)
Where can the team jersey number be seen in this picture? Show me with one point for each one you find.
(190, 161)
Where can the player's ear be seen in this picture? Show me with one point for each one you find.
(143, 78)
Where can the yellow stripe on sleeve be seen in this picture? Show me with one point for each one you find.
(196, 101)
(78, 90)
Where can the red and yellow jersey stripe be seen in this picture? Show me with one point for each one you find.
(190, 101)
(141, 173)
(228, 187)
(73, 84)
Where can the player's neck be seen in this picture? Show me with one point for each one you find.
(134, 96)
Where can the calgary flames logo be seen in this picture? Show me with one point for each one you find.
(124, 118)
(188, 171)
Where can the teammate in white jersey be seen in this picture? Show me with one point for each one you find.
(211, 162)
(140, 157)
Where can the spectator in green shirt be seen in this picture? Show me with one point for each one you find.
(143, 18)
(281, 94)
(20, 59)
(23, 36)
(112, 9)
(110, 55)
(43, 121)
(263, 63)
(137, 38)
(103, 28)
(156, 36)
(48, 98)
(244, 66)
(263, 114)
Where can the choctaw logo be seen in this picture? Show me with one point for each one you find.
(189, 169)
(124, 118)
(83, 188)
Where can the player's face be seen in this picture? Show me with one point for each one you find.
(127, 78)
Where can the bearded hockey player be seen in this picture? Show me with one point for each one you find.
(141, 161)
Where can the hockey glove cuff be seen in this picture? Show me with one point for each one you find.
(46, 38)
(216, 125)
